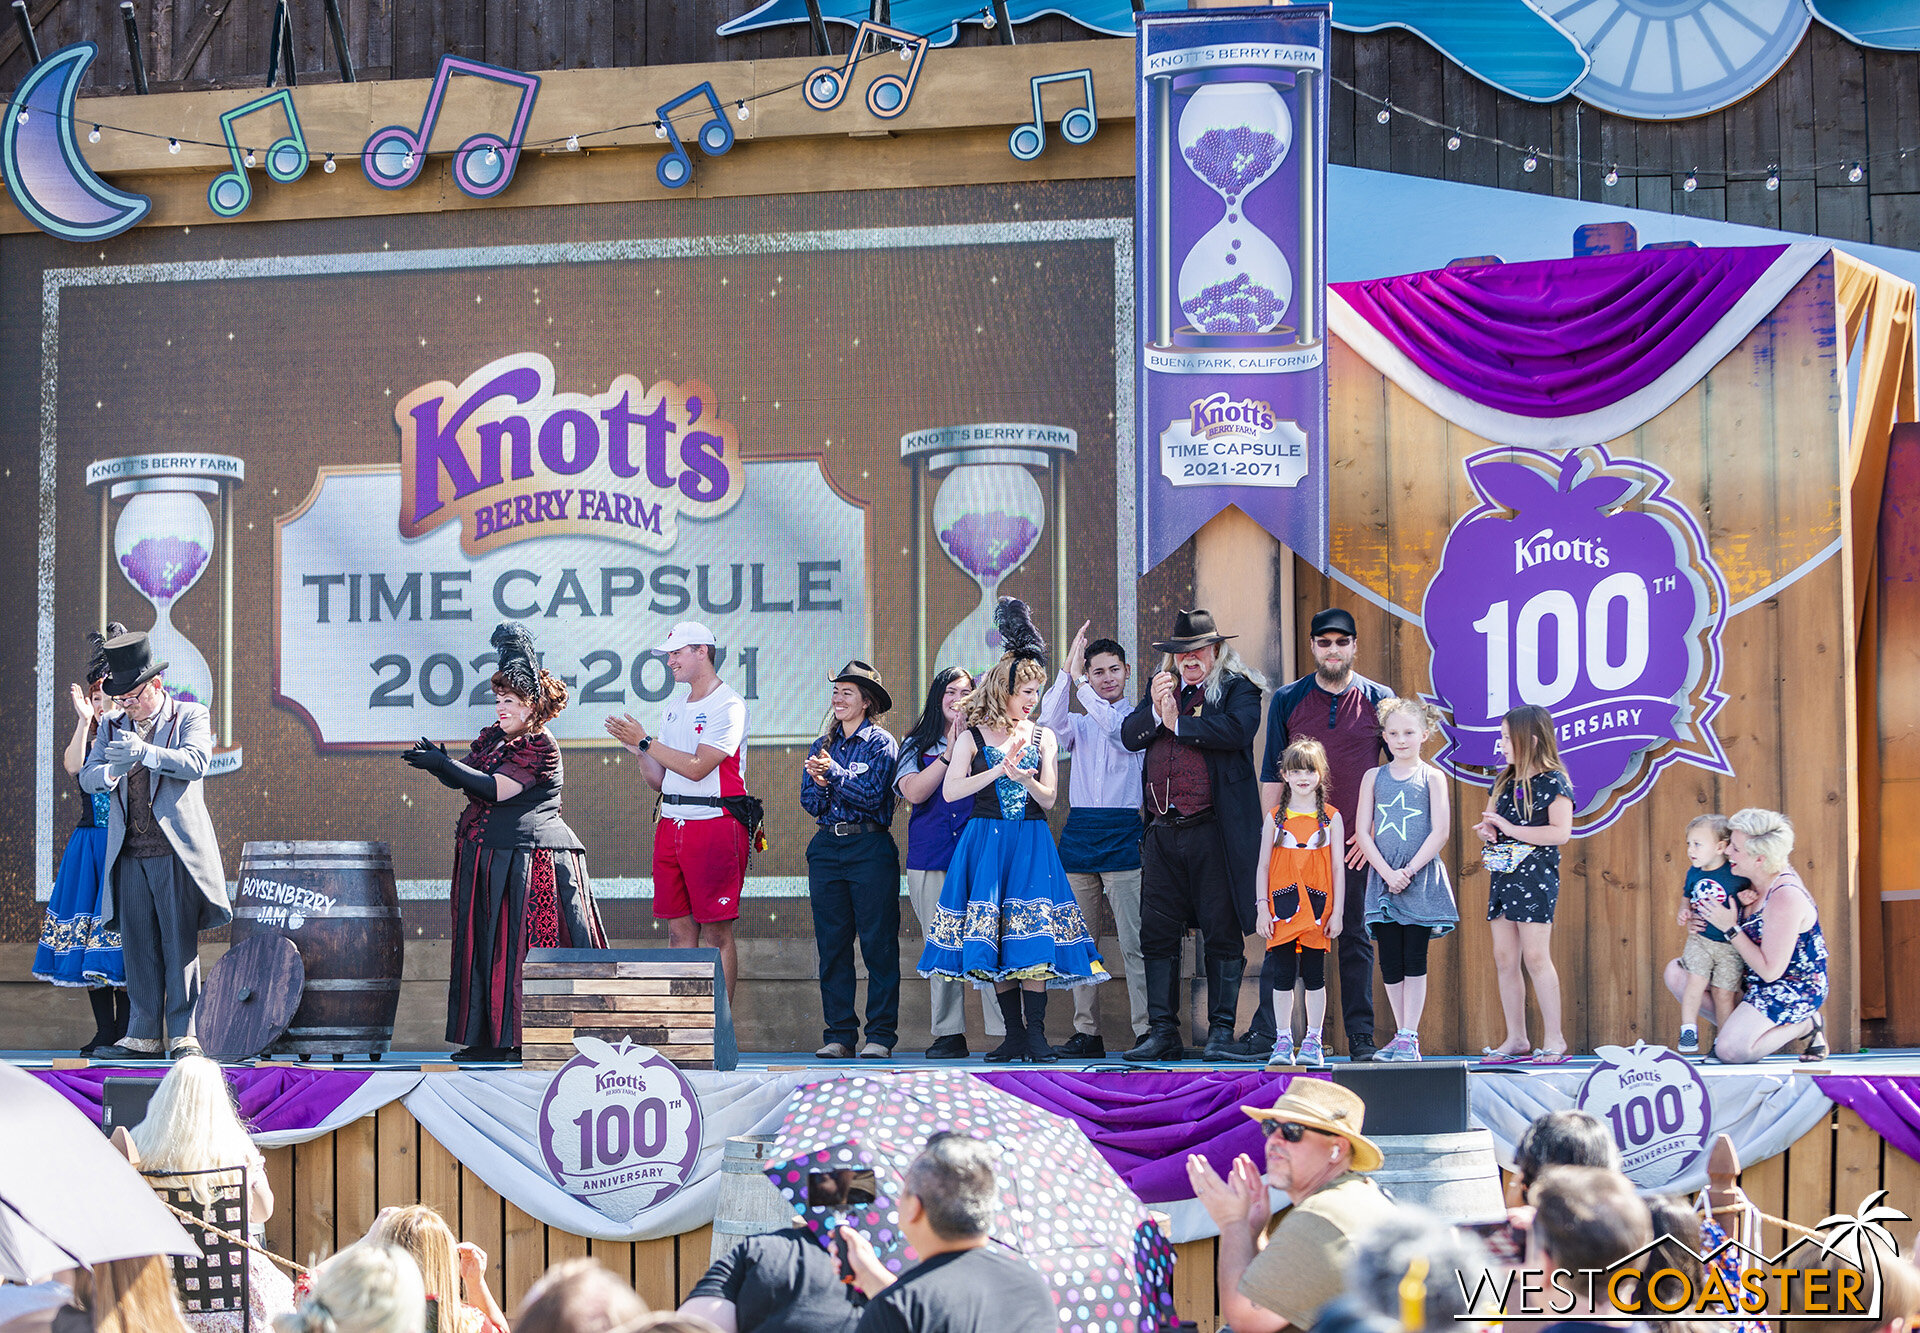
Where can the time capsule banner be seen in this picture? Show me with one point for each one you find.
(1231, 262)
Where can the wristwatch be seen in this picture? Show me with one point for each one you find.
(646, 743)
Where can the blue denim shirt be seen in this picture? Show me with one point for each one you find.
(860, 784)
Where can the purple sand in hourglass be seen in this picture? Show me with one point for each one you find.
(1232, 159)
(1239, 305)
(988, 545)
(162, 567)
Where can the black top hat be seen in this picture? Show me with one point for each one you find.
(130, 664)
(868, 679)
(1191, 630)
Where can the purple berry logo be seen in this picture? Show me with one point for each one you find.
(1658, 1108)
(1578, 584)
(619, 1127)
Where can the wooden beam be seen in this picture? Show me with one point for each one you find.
(11, 41)
(211, 12)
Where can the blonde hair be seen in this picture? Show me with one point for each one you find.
(1308, 756)
(1226, 662)
(1532, 747)
(130, 1296)
(578, 1296)
(424, 1235)
(992, 697)
(191, 1125)
(366, 1288)
(1423, 712)
(1768, 833)
(1717, 826)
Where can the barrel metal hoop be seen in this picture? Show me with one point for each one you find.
(350, 983)
(249, 912)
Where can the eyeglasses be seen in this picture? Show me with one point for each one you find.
(1290, 1130)
(1333, 641)
(131, 696)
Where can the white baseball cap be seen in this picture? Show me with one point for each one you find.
(687, 632)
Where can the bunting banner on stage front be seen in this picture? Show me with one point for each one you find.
(1231, 262)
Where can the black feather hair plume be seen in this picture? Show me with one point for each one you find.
(1019, 636)
(517, 661)
(97, 668)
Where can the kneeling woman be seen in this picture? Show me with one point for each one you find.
(1007, 916)
(519, 873)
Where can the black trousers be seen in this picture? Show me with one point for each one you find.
(1355, 947)
(1183, 883)
(853, 883)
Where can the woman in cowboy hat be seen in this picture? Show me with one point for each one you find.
(519, 873)
(1007, 917)
(1318, 1157)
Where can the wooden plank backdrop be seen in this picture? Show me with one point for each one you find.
(327, 1191)
(1756, 455)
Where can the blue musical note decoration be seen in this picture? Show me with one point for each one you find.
(231, 192)
(482, 165)
(889, 95)
(1076, 127)
(715, 137)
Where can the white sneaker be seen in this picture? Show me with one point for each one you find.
(1313, 1051)
(1282, 1057)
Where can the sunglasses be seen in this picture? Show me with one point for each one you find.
(1290, 1130)
(1333, 641)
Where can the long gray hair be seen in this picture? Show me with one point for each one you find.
(1226, 662)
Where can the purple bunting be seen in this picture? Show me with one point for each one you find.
(1886, 1102)
(271, 1100)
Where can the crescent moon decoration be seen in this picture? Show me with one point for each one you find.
(46, 175)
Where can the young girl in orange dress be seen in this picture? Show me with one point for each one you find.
(1300, 899)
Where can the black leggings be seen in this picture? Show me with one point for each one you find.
(1403, 950)
(1283, 959)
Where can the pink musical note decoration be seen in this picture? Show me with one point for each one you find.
(482, 165)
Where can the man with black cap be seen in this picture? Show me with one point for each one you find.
(1336, 706)
(164, 881)
(1197, 859)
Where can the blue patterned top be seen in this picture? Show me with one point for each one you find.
(99, 808)
(1012, 796)
(1796, 993)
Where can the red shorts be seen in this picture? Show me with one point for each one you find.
(699, 867)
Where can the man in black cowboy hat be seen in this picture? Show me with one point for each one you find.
(1197, 725)
(164, 881)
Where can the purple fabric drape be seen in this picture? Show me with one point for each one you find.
(1888, 1103)
(1145, 1124)
(1559, 337)
(270, 1100)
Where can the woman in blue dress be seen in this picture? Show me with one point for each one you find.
(76, 950)
(1007, 918)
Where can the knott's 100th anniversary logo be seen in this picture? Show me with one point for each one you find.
(1578, 584)
(619, 1127)
(510, 458)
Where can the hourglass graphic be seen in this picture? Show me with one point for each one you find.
(988, 515)
(1239, 131)
(163, 543)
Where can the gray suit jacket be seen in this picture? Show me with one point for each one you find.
(181, 749)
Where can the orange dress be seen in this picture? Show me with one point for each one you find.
(1300, 879)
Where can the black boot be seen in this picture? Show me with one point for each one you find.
(101, 998)
(1223, 1008)
(1015, 1046)
(1033, 1003)
(122, 1012)
(1162, 1041)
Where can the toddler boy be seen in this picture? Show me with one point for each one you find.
(1710, 960)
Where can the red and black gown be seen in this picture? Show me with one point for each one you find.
(519, 882)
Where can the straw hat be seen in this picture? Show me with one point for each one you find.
(1320, 1104)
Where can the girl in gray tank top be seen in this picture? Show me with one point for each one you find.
(1402, 822)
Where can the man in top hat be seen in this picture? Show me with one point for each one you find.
(164, 881)
(1318, 1157)
(699, 848)
(1196, 725)
(1338, 707)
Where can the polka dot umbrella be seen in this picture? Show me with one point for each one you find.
(1062, 1207)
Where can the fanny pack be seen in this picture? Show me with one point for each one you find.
(1504, 857)
(752, 814)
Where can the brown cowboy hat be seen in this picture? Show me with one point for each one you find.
(130, 664)
(1191, 630)
(868, 679)
(1329, 1108)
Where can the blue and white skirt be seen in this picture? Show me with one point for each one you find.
(76, 948)
(1007, 913)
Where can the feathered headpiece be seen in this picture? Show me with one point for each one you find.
(97, 668)
(517, 662)
(1018, 634)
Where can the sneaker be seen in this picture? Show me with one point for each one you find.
(834, 1050)
(1313, 1052)
(1085, 1046)
(1360, 1049)
(1282, 1057)
(1403, 1049)
(1689, 1040)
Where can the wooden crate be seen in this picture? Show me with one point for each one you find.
(674, 1000)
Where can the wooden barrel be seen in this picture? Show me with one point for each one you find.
(749, 1205)
(1454, 1175)
(337, 902)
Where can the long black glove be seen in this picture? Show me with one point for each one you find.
(450, 772)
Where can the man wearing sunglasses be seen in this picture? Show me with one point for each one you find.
(164, 880)
(1334, 705)
(1317, 1156)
